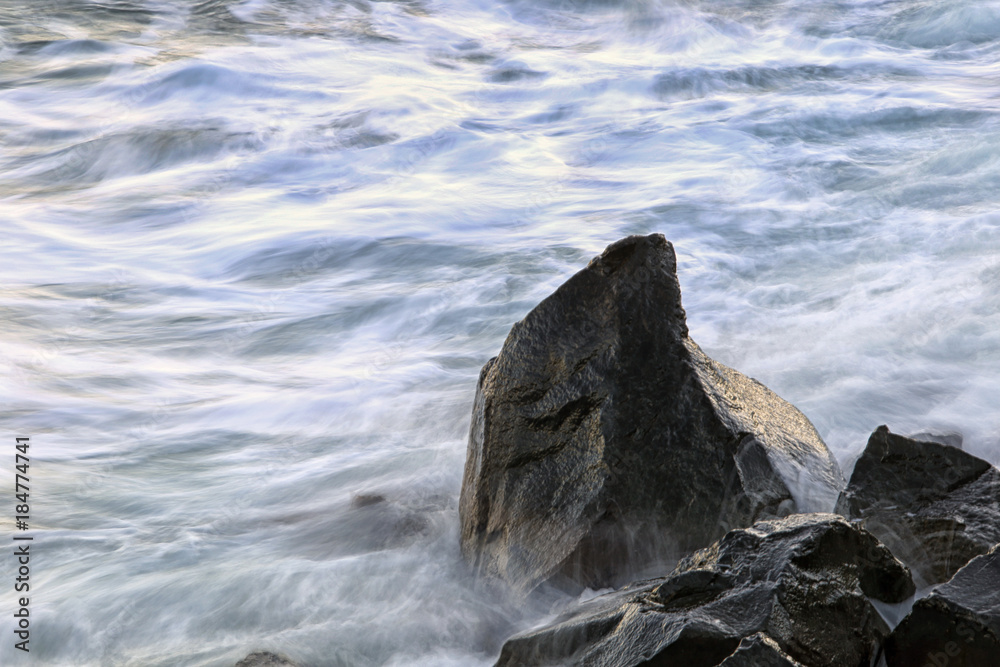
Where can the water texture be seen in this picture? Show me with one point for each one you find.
(255, 253)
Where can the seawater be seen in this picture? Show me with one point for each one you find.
(255, 254)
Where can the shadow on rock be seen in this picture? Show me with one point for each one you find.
(935, 506)
(804, 582)
(605, 443)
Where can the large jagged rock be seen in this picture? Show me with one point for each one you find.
(958, 625)
(935, 506)
(604, 440)
(803, 581)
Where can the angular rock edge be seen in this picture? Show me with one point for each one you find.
(604, 442)
(935, 506)
(958, 625)
(803, 581)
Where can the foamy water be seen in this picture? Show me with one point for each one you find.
(255, 254)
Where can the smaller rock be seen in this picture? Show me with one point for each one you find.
(805, 580)
(265, 659)
(936, 507)
(372, 522)
(759, 650)
(365, 499)
(958, 625)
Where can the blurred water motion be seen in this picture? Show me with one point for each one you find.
(256, 253)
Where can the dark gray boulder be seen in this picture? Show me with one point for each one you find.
(604, 441)
(804, 581)
(265, 659)
(958, 625)
(759, 651)
(935, 506)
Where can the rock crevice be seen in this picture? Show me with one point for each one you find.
(786, 590)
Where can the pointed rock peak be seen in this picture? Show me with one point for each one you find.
(634, 278)
(637, 249)
(927, 469)
(933, 504)
(604, 441)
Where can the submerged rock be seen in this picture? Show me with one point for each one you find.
(935, 506)
(604, 440)
(265, 659)
(366, 499)
(958, 625)
(803, 581)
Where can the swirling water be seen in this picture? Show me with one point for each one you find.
(255, 253)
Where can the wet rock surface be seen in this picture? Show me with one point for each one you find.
(803, 581)
(604, 442)
(958, 625)
(935, 506)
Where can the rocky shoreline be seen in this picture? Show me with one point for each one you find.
(606, 445)
(607, 450)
